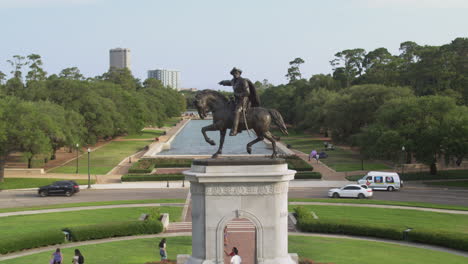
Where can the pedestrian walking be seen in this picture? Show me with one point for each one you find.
(57, 257)
(225, 236)
(235, 258)
(317, 157)
(162, 250)
(312, 154)
(78, 258)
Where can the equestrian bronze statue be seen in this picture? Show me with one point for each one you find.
(249, 117)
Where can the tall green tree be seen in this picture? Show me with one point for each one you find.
(294, 72)
(348, 65)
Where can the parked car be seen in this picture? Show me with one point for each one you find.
(380, 180)
(351, 190)
(67, 188)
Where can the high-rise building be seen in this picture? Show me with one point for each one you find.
(119, 58)
(167, 77)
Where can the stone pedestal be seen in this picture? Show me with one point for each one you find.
(230, 188)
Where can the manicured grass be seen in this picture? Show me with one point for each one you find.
(171, 121)
(462, 184)
(145, 134)
(338, 159)
(349, 251)
(354, 201)
(14, 226)
(398, 218)
(17, 209)
(21, 183)
(320, 249)
(103, 159)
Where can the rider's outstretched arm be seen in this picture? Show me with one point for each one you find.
(226, 83)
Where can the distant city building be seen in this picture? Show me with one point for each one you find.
(189, 89)
(119, 58)
(167, 77)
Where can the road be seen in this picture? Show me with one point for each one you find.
(10, 199)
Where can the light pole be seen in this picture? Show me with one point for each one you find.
(89, 177)
(403, 162)
(77, 151)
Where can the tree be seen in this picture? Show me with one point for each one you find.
(431, 128)
(17, 63)
(23, 128)
(293, 72)
(72, 73)
(347, 65)
(36, 72)
(2, 77)
(354, 108)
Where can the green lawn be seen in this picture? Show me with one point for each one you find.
(171, 121)
(338, 159)
(399, 218)
(354, 201)
(13, 226)
(69, 205)
(328, 250)
(20, 183)
(462, 184)
(103, 159)
(145, 134)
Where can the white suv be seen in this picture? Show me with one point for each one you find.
(351, 190)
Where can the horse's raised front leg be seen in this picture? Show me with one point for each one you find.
(269, 136)
(222, 135)
(211, 127)
(249, 145)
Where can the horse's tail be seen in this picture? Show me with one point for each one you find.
(278, 120)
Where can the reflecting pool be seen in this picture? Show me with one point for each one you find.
(190, 141)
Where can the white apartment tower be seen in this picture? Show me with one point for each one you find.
(119, 58)
(167, 77)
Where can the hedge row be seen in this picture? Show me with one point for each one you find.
(171, 163)
(152, 177)
(441, 175)
(130, 228)
(446, 239)
(298, 164)
(32, 240)
(308, 175)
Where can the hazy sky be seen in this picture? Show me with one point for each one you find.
(204, 39)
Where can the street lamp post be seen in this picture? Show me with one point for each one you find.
(89, 175)
(77, 151)
(403, 162)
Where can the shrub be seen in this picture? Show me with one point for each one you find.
(32, 240)
(129, 228)
(142, 166)
(298, 164)
(307, 175)
(152, 177)
(171, 163)
(447, 174)
(445, 239)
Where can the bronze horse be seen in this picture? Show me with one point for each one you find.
(258, 119)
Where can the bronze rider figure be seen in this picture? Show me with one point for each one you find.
(245, 96)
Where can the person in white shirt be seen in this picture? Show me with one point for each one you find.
(236, 259)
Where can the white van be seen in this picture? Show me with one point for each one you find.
(380, 180)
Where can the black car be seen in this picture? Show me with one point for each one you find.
(67, 188)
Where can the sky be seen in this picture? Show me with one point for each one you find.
(205, 39)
